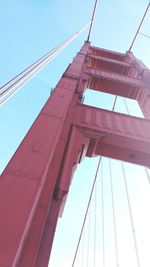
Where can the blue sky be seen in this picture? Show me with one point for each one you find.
(30, 28)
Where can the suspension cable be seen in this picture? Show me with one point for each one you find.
(19, 84)
(45, 60)
(78, 258)
(27, 77)
(92, 20)
(114, 215)
(139, 27)
(87, 209)
(126, 106)
(113, 108)
(40, 65)
(131, 216)
(147, 174)
(95, 226)
(82, 254)
(35, 64)
(37, 61)
(103, 219)
(88, 236)
(145, 35)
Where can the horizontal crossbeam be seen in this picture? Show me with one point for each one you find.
(96, 51)
(120, 67)
(115, 135)
(114, 84)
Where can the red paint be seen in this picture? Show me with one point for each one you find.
(35, 183)
(115, 135)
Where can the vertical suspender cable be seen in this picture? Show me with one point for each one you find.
(78, 259)
(145, 35)
(95, 226)
(126, 106)
(147, 174)
(114, 104)
(131, 216)
(88, 205)
(103, 220)
(114, 216)
(88, 238)
(87, 209)
(82, 254)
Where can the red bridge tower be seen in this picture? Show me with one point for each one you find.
(36, 181)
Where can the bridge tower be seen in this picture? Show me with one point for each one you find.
(34, 185)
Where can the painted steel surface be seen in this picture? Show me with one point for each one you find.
(34, 185)
(114, 134)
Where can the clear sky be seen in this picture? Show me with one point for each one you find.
(30, 28)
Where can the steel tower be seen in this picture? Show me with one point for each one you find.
(34, 185)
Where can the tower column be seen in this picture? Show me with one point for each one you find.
(28, 182)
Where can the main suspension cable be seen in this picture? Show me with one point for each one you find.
(136, 34)
(9, 92)
(92, 20)
(40, 65)
(34, 63)
(28, 76)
